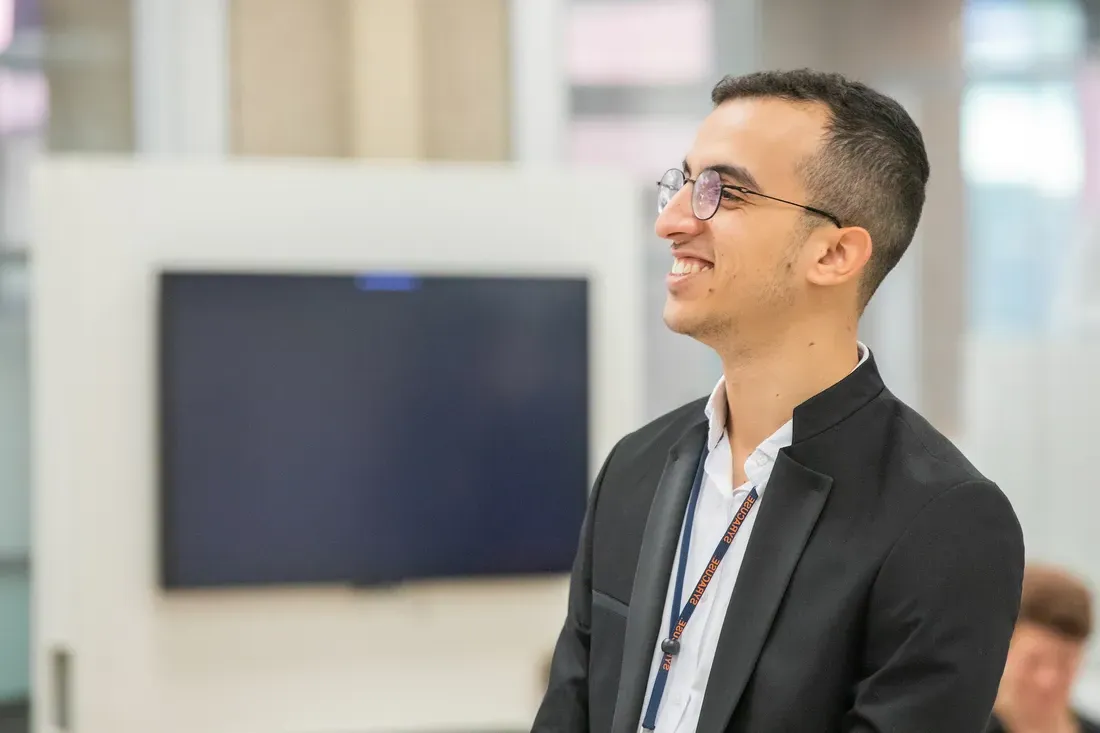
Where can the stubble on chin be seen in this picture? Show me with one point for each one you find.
(730, 332)
(711, 329)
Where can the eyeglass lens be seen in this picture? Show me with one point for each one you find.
(706, 192)
(671, 182)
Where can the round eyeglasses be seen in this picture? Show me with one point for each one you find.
(708, 190)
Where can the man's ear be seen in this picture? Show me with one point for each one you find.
(841, 256)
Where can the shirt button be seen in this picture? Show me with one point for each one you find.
(760, 459)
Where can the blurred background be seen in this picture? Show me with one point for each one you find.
(990, 326)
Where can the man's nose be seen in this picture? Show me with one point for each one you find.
(677, 220)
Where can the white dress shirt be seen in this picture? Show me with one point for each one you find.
(718, 501)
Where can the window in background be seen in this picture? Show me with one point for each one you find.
(14, 484)
(1038, 123)
(1021, 36)
(1030, 119)
(630, 43)
(1023, 158)
(636, 90)
(24, 112)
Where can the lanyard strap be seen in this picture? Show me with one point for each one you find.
(678, 622)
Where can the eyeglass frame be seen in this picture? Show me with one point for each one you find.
(744, 190)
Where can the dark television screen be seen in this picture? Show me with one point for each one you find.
(371, 429)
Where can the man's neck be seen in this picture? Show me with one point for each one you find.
(765, 384)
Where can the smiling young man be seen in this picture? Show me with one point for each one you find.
(799, 552)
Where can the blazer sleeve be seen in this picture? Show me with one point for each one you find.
(941, 613)
(564, 707)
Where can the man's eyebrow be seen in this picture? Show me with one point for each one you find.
(737, 173)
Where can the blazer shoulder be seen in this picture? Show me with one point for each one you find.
(943, 461)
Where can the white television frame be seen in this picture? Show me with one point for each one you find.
(461, 654)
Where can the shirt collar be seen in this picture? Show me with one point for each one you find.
(717, 411)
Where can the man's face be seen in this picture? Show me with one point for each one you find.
(1040, 671)
(746, 266)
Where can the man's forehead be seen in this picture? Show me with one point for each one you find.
(767, 137)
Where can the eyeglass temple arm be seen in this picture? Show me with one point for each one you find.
(819, 212)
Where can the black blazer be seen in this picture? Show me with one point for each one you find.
(878, 592)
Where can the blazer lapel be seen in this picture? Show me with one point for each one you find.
(789, 509)
(647, 599)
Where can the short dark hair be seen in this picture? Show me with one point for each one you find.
(872, 168)
(1057, 601)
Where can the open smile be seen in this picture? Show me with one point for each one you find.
(684, 270)
(684, 266)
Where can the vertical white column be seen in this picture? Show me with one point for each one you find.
(540, 83)
(181, 77)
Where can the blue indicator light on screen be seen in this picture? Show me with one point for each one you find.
(387, 281)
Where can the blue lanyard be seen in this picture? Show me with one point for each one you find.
(677, 622)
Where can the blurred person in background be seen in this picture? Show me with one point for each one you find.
(1045, 655)
(881, 584)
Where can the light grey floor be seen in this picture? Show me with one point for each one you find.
(14, 718)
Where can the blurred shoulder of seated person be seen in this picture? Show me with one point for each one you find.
(1047, 647)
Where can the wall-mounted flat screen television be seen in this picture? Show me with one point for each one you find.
(369, 429)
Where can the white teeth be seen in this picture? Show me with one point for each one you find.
(687, 267)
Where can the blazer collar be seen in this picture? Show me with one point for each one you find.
(831, 407)
(815, 415)
(716, 409)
